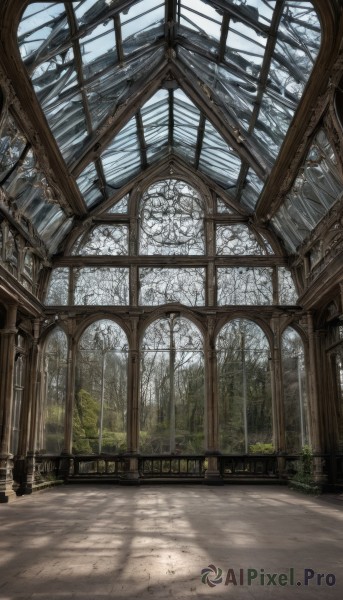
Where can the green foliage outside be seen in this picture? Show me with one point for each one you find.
(261, 448)
(85, 423)
(304, 466)
(86, 418)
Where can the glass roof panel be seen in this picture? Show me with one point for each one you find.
(12, 144)
(101, 40)
(83, 66)
(217, 159)
(316, 189)
(202, 17)
(246, 47)
(251, 190)
(37, 24)
(141, 17)
(87, 185)
(122, 159)
(29, 189)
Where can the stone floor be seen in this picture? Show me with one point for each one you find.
(109, 542)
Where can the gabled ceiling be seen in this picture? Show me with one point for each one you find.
(124, 85)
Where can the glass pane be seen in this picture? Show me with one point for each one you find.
(121, 207)
(172, 388)
(101, 286)
(88, 183)
(161, 286)
(55, 359)
(171, 219)
(100, 410)
(287, 291)
(315, 190)
(294, 389)
(58, 287)
(103, 240)
(201, 17)
(237, 240)
(245, 407)
(245, 285)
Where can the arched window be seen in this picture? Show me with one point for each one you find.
(171, 219)
(100, 409)
(55, 370)
(294, 391)
(244, 390)
(172, 388)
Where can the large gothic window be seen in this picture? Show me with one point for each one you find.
(100, 409)
(171, 219)
(172, 388)
(244, 389)
(294, 391)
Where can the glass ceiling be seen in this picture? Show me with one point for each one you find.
(247, 60)
(124, 85)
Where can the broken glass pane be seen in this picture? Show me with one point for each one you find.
(317, 187)
(245, 285)
(163, 285)
(200, 17)
(251, 190)
(88, 183)
(12, 144)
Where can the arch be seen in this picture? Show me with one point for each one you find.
(172, 387)
(100, 409)
(89, 320)
(244, 388)
(164, 310)
(294, 390)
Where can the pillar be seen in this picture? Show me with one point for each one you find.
(7, 355)
(279, 438)
(212, 475)
(314, 368)
(132, 475)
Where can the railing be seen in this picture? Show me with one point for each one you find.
(172, 466)
(47, 467)
(36, 471)
(83, 466)
(248, 466)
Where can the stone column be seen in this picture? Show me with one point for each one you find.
(132, 475)
(212, 475)
(31, 396)
(7, 355)
(66, 461)
(313, 397)
(279, 438)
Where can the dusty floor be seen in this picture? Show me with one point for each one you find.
(151, 542)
